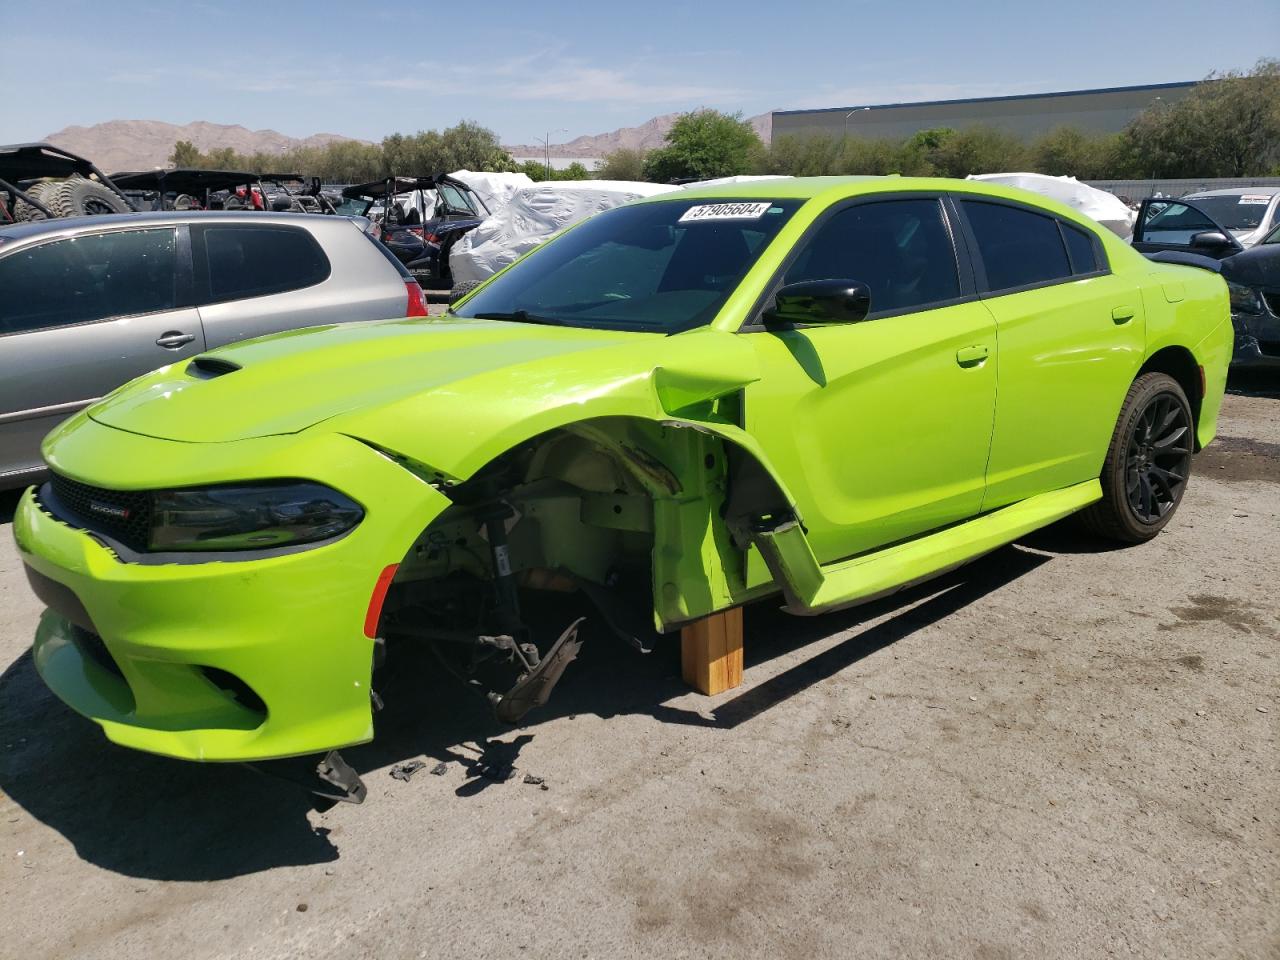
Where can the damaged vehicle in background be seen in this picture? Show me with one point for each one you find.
(1184, 231)
(815, 390)
(1247, 213)
(420, 219)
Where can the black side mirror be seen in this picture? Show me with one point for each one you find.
(819, 301)
(1214, 240)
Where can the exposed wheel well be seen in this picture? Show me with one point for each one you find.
(1178, 362)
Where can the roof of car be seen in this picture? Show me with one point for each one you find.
(24, 161)
(380, 188)
(805, 188)
(184, 179)
(108, 221)
(1234, 192)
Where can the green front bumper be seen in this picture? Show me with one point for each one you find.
(289, 627)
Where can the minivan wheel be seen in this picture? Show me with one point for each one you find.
(1148, 463)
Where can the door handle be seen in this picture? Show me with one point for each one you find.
(974, 356)
(175, 339)
(1121, 315)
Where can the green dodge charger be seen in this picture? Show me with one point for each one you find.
(814, 389)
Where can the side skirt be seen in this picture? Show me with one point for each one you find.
(811, 588)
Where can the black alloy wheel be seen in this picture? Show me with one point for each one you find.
(1148, 462)
(1158, 460)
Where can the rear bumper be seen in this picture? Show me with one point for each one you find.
(244, 660)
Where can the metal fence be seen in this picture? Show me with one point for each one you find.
(1137, 189)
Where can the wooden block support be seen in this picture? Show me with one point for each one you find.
(711, 652)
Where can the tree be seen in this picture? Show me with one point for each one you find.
(623, 164)
(1228, 126)
(1070, 152)
(979, 150)
(704, 144)
(185, 154)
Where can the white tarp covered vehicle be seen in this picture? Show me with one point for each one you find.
(1097, 204)
(534, 214)
(495, 189)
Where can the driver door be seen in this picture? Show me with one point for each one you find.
(881, 428)
(1164, 224)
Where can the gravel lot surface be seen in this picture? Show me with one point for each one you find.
(1058, 751)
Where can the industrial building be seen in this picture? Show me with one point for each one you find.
(1104, 110)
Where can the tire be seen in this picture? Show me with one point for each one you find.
(1148, 462)
(462, 289)
(78, 197)
(25, 212)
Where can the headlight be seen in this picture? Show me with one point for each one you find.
(249, 516)
(1244, 299)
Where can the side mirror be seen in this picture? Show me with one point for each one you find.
(819, 301)
(1211, 240)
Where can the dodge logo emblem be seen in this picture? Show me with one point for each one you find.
(109, 510)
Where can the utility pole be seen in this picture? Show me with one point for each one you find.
(546, 148)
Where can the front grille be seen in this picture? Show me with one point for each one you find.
(123, 515)
(1273, 302)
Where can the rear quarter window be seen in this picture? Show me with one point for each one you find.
(249, 260)
(1081, 249)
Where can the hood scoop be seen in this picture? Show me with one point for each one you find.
(207, 368)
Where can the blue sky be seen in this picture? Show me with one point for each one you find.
(374, 68)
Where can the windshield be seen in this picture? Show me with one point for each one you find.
(1243, 211)
(658, 267)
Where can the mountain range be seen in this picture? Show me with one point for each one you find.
(143, 144)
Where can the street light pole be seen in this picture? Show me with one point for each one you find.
(850, 114)
(546, 148)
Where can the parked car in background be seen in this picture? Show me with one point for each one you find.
(39, 181)
(1249, 213)
(1186, 231)
(90, 302)
(819, 390)
(421, 218)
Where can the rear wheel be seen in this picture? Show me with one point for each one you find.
(1148, 463)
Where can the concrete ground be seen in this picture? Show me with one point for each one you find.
(1058, 751)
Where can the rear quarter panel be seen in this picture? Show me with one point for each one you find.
(1189, 308)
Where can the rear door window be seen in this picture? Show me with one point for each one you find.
(87, 278)
(1018, 248)
(243, 261)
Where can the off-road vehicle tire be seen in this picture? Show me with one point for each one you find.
(1148, 462)
(25, 212)
(460, 290)
(78, 197)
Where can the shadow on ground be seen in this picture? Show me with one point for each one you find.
(151, 817)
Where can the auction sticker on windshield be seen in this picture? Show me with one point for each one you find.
(725, 211)
(1255, 198)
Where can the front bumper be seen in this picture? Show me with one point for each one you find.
(1257, 340)
(152, 668)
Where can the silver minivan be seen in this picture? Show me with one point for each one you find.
(89, 303)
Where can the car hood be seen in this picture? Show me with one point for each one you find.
(1257, 267)
(395, 382)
